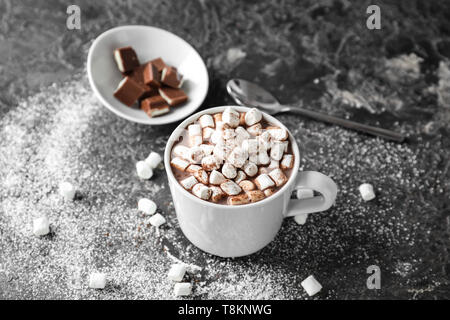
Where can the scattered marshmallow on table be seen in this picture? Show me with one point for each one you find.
(157, 220)
(305, 193)
(366, 190)
(41, 226)
(182, 289)
(301, 218)
(97, 280)
(144, 171)
(147, 206)
(67, 190)
(177, 272)
(153, 160)
(311, 285)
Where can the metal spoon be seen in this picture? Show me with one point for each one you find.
(250, 94)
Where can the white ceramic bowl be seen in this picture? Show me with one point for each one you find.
(149, 43)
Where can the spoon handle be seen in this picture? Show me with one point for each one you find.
(380, 132)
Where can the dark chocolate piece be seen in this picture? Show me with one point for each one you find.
(171, 77)
(126, 59)
(154, 106)
(173, 96)
(159, 64)
(151, 75)
(129, 91)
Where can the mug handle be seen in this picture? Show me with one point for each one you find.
(318, 182)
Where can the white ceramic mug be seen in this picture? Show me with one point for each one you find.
(233, 231)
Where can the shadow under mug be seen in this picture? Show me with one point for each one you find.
(234, 231)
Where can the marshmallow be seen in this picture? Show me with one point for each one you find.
(241, 134)
(242, 119)
(144, 171)
(153, 160)
(269, 191)
(276, 153)
(264, 170)
(196, 154)
(207, 133)
(263, 157)
(366, 190)
(237, 157)
(240, 176)
(311, 285)
(301, 218)
(67, 190)
(250, 169)
(194, 130)
(255, 195)
(255, 130)
(279, 177)
(229, 171)
(231, 117)
(189, 182)
(304, 193)
(263, 182)
(97, 280)
(251, 146)
(216, 194)
(195, 140)
(202, 176)
(182, 152)
(253, 116)
(247, 185)
(274, 164)
(177, 272)
(206, 120)
(193, 168)
(253, 158)
(147, 206)
(157, 220)
(285, 144)
(201, 191)
(217, 137)
(265, 139)
(217, 118)
(230, 188)
(216, 178)
(207, 149)
(278, 133)
(210, 163)
(179, 163)
(228, 134)
(238, 200)
(41, 226)
(287, 162)
(182, 289)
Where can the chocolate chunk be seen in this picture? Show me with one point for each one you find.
(159, 64)
(173, 96)
(171, 77)
(154, 106)
(126, 59)
(151, 75)
(129, 91)
(137, 74)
